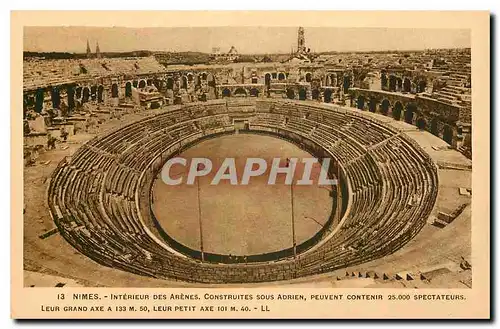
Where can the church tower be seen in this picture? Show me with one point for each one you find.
(301, 41)
(89, 52)
(97, 50)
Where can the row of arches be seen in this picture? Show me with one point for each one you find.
(83, 94)
(170, 82)
(268, 77)
(394, 83)
(73, 93)
(315, 94)
(290, 94)
(408, 114)
(240, 92)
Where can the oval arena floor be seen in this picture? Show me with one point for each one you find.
(240, 219)
(384, 229)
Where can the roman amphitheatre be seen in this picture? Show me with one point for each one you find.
(396, 125)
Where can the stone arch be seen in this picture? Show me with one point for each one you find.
(315, 94)
(204, 76)
(211, 80)
(434, 127)
(135, 83)
(226, 92)
(290, 94)
(360, 102)
(85, 95)
(142, 84)
(254, 92)
(396, 111)
(421, 124)
(184, 82)
(114, 90)
(327, 96)
(399, 83)
(128, 89)
(384, 106)
(383, 80)
(70, 92)
(93, 92)
(281, 76)
(149, 82)
(39, 100)
(347, 83)
(406, 85)
(421, 86)
(372, 105)
(255, 80)
(78, 92)
(240, 92)
(392, 83)
(170, 83)
(267, 79)
(448, 134)
(55, 97)
(190, 77)
(308, 77)
(410, 112)
(100, 94)
(302, 94)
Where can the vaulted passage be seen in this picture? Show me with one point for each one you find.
(407, 85)
(410, 111)
(55, 97)
(384, 107)
(327, 96)
(93, 93)
(240, 92)
(421, 86)
(372, 105)
(114, 90)
(128, 89)
(170, 83)
(448, 134)
(421, 124)
(315, 94)
(361, 102)
(434, 127)
(347, 83)
(71, 97)
(100, 94)
(302, 94)
(39, 100)
(267, 79)
(86, 95)
(392, 83)
(396, 112)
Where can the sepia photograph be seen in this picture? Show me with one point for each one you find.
(252, 156)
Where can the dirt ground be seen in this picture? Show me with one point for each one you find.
(241, 219)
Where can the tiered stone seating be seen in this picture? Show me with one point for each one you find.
(389, 180)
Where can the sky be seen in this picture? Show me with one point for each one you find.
(247, 40)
